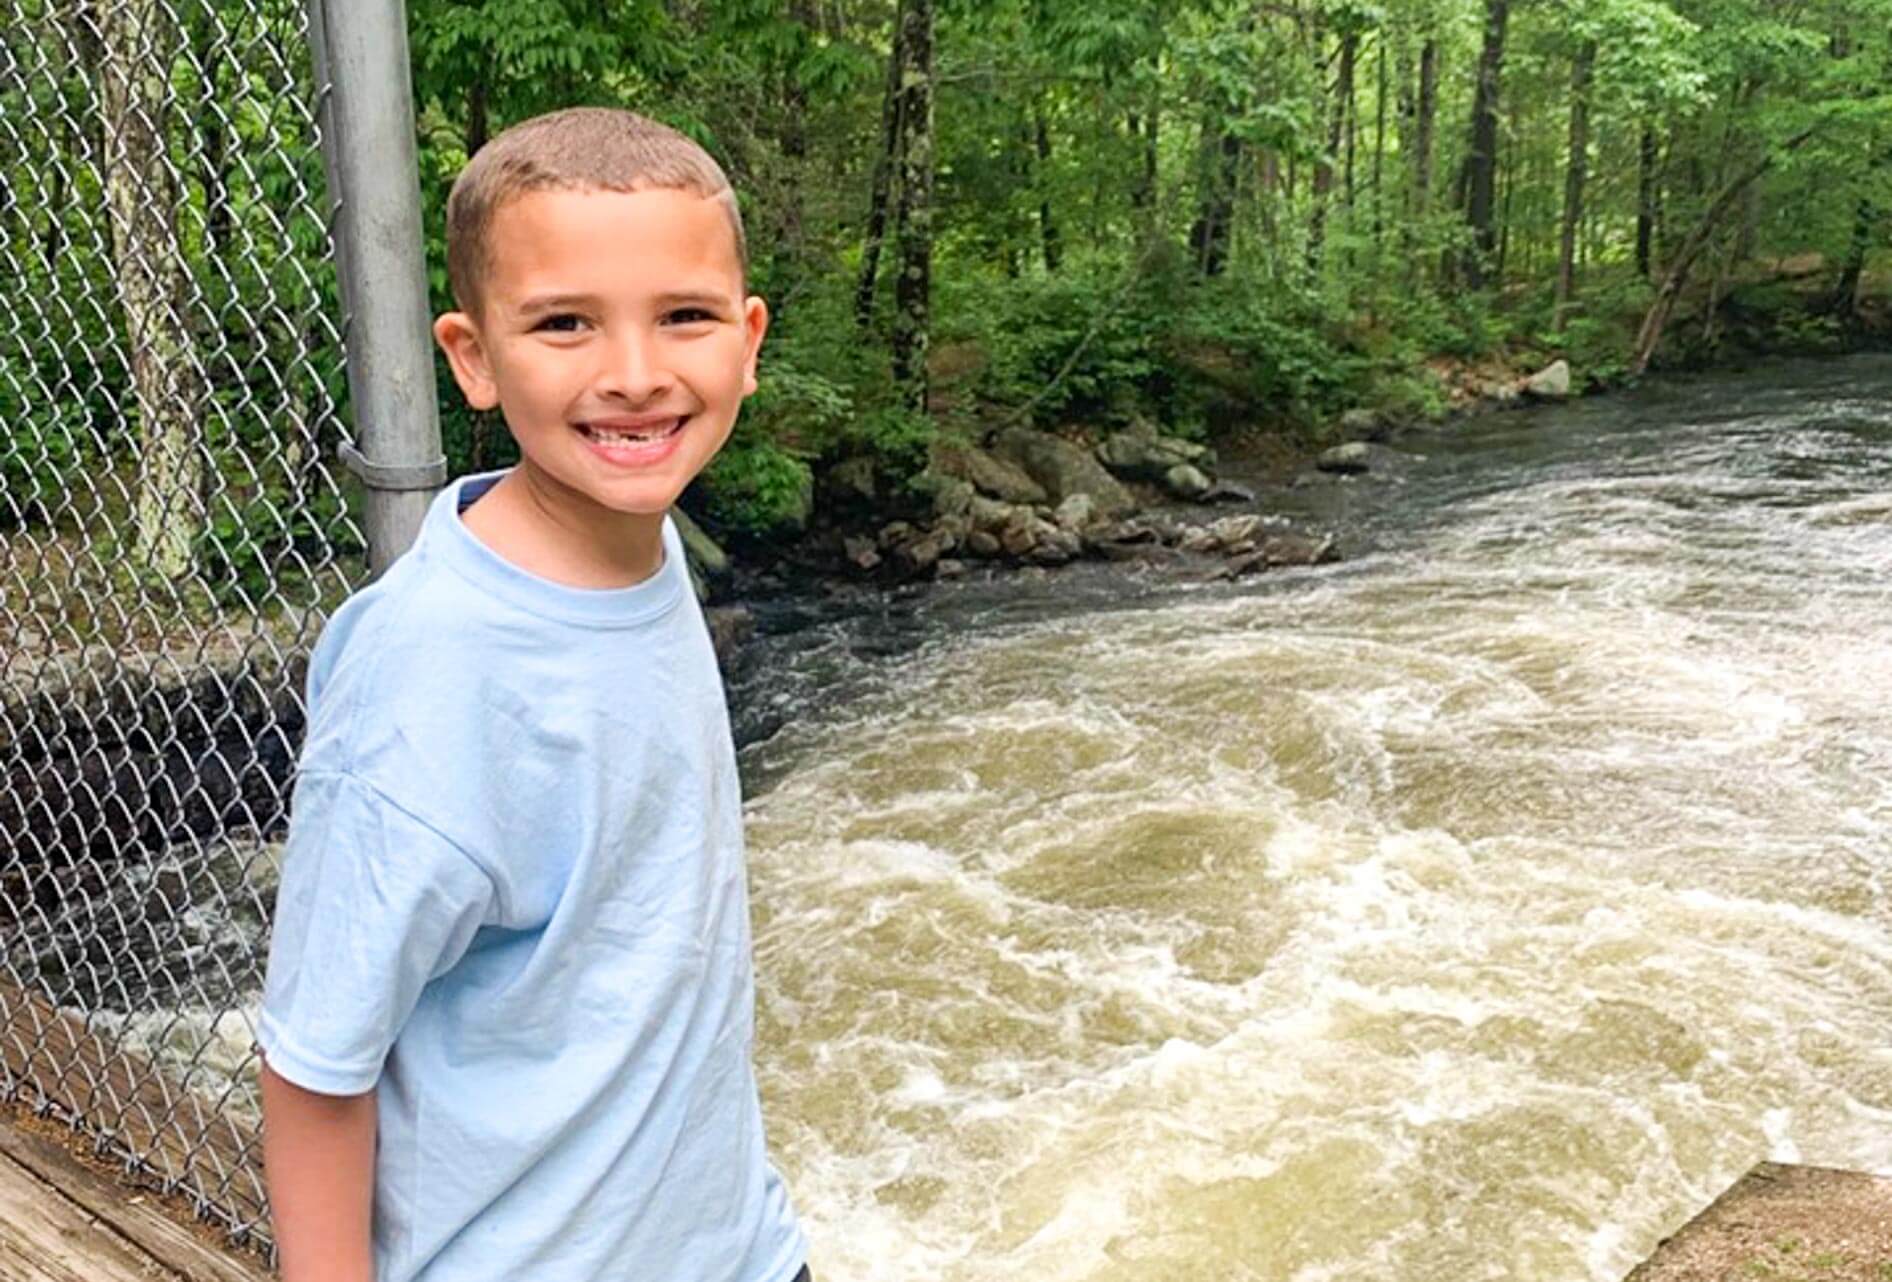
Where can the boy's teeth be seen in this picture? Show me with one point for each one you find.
(654, 433)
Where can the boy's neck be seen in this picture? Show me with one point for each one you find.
(529, 522)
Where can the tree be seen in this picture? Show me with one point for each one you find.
(137, 43)
(1575, 170)
(1478, 181)
(913, 214)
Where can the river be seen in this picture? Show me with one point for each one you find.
(1477, 908)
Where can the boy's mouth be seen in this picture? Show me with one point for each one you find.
(633, 432)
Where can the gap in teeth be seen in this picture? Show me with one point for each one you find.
(605, 437)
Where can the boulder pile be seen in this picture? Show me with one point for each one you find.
(1033, 498)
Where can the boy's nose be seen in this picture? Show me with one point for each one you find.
(633, 368)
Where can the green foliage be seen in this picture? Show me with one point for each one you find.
(1077, 345)
(755, 487)
(254, 544)
(42, 457)
(1290, 365)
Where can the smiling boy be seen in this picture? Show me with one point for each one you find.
(509, 1009)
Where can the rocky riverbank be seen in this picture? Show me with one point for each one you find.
(1027, 498)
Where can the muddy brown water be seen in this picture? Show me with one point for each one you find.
(1478, 908)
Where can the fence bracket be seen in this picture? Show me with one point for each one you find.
(394, 476)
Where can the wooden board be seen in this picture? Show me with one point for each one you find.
(47, 1053)
(1787, 1223)
(117, 1220)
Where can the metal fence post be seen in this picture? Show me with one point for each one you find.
(361, 68)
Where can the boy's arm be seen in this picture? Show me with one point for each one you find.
(318, 1159)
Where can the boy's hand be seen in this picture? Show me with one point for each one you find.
(318, 1160)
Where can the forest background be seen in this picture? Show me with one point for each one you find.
(1232, 219)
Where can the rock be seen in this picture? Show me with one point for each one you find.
(949, 568)
(1237, 529)
(860, 552)
(1228, 492)
(1020, 534)
(916, 556)
(1199, 539)
(894, 532)
(1283, 549)
(1361, 423)
(1140, 453)
(1077, 513)
(709, 559)
(1064, 469)
(1298, 549)
(1186, 481)
(1350, 459)
(998, 477)
(1552, 383)
(983, 543)
(989, 514)
(1055, 546)
(856, 478)
(953, 497)
(729, 627)
(1128, 532)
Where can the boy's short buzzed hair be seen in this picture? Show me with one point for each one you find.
(582, 149)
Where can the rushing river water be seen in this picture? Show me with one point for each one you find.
(1477, 908)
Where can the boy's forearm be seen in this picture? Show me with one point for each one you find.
(318, 1159)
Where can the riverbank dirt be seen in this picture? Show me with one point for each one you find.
(1785, 1223)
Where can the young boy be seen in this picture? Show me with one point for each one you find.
(509, 1008)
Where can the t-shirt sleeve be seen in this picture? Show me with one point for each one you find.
(373, 904)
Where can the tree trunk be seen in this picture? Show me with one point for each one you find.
(1209, 238)
(1379, 148)
(1844, 300)
(1346, 104)
(1047, 228)
(1677, 274)
(884, 165)
(1481, 161)
(148, 262)
(913, 216)
(1574, 174)
(1324, 165)
(1428, 114)
(1645, 200)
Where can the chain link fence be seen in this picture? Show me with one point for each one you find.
(172, 532)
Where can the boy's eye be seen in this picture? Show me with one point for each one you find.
(561, 323)
(691, 316)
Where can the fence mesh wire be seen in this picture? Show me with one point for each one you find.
(171, 533)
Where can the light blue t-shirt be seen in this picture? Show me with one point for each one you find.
(514, 900)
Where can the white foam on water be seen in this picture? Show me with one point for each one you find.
(1479, 912)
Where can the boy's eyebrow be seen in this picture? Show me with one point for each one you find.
(545, 302)
(698, 297)
(672, 298)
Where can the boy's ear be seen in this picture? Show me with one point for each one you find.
(755, 320)
(459, 337)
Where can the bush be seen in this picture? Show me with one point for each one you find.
(42, 455)
(1077, 345)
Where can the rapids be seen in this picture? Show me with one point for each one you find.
(1477, 908)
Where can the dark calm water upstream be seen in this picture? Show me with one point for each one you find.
(1478, 908)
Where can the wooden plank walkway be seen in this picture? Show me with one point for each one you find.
(1788, 1223)
(48, 1053)
(60, 1221)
